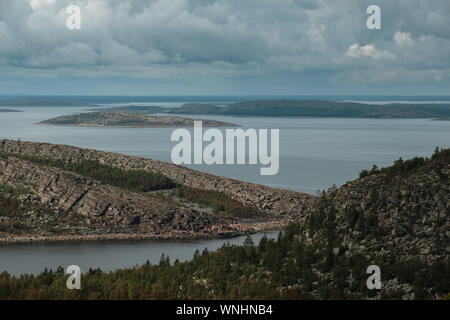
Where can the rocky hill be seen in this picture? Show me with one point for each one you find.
(403, 210)
(274, 201)
(397, 217)
(127, 119)
(102, 206)
(87, 207)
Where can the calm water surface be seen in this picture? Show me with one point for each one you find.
(107, 255)
(315, 153)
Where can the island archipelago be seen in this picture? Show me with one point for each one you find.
(302, 108)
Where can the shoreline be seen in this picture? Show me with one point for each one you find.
(173, 236)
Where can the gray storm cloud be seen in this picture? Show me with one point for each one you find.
(163, 38)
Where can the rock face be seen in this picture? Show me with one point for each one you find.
(128, 119)
(397, 217)
(272, 201)
(103, 208)
(401, 214)
(84, 207)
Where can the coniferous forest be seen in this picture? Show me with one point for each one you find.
(286, 268)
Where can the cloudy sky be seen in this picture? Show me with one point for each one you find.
(221, 47)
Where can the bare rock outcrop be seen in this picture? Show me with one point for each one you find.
(100, 208)
(272, 201)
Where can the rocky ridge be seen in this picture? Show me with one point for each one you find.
(98, 209)
(275, 202)
(399, 214)
(397, 217)
(77, 207)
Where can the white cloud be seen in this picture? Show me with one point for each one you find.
(38, 3)
(184, 38)
(357, 51)
(403, 39)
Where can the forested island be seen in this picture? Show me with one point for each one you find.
(8, 110)
(302, 108)
(317, 108)
(128, 119)
(396, 218)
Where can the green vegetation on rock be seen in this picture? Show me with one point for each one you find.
(132, 180)
(13, 210)
(219, 202)
(408, 166)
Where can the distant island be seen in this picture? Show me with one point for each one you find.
(318, 108)
(127, 119)
(133, 109)
(301, 108)
(9, 110)
(268, 108)
(40, 102)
